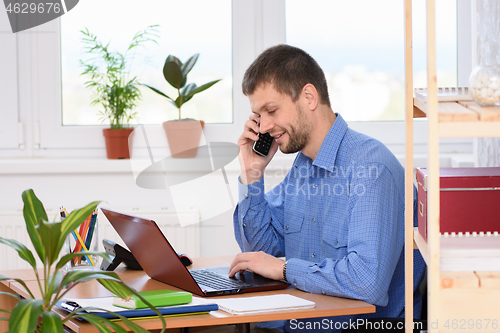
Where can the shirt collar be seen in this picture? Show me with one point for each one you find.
(328, 151)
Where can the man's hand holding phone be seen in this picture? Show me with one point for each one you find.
(253, 164)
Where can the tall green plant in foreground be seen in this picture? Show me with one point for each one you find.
(35, 315)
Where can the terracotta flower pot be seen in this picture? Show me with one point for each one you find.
(183, 137)
(117, 143)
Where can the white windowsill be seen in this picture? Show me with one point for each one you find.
(17, 166)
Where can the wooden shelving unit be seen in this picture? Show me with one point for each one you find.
(454, 117)
(457, 301)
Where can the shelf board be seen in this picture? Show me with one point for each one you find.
(462, 280)
(460, 111)
(461, 253)
(463, 119)
(450, 111)
(484, 113)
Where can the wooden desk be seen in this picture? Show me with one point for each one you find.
(326, 306)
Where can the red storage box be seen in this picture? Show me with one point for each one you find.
(470, 200)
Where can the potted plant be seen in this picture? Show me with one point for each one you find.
(113, 89)
(183, 134)
(36, 315)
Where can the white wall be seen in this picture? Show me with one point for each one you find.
(74, 183)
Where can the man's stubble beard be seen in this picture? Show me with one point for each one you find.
(298, 134)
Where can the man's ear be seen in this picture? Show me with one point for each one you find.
(311, 96)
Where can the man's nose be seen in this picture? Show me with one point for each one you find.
(265, 124)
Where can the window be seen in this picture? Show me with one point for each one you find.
(56, 120)
(360, 46)
(8, 88)
(185, 28)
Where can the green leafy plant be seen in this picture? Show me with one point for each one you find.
(175, 72)
(36, 315)
(109, 77)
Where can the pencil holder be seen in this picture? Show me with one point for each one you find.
(83, 239)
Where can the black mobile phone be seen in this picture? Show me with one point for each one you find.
(263, 145)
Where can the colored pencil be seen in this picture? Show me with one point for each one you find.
(89, 258)
(83, 235)
(77, 238)
(90, 234)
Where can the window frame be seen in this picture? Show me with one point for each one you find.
(256, 25)
(11, 132)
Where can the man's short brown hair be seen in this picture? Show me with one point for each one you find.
(288, 69)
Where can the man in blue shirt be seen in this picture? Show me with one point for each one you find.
(338, 216)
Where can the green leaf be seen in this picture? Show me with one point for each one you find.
(173, 74)
(97, 321)
(34, 212)
(117, 328)
(21, 282)
(157, 91)
(187, 89)
(82, 276)
(174, 59)
(24, 317)
(173, 103)
(202, 88)
(179, 101)
(74, 219)
(22, 250)
(55, 282)
(50, 233)
(188, 65)
(69, 256)
(117, 288)
(138, 329)
(9, 294)
(122, 290)
(51, 322)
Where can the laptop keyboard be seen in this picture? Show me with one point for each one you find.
(216, 281)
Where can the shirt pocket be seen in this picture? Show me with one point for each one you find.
(293, 223)
(334, 240)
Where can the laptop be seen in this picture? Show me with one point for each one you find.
(160, 261)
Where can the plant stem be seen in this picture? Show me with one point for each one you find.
(58, 297)
(38, 281)
(179, 94)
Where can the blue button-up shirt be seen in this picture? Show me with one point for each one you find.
(339, 220)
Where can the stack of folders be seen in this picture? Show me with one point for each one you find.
(167, 302)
